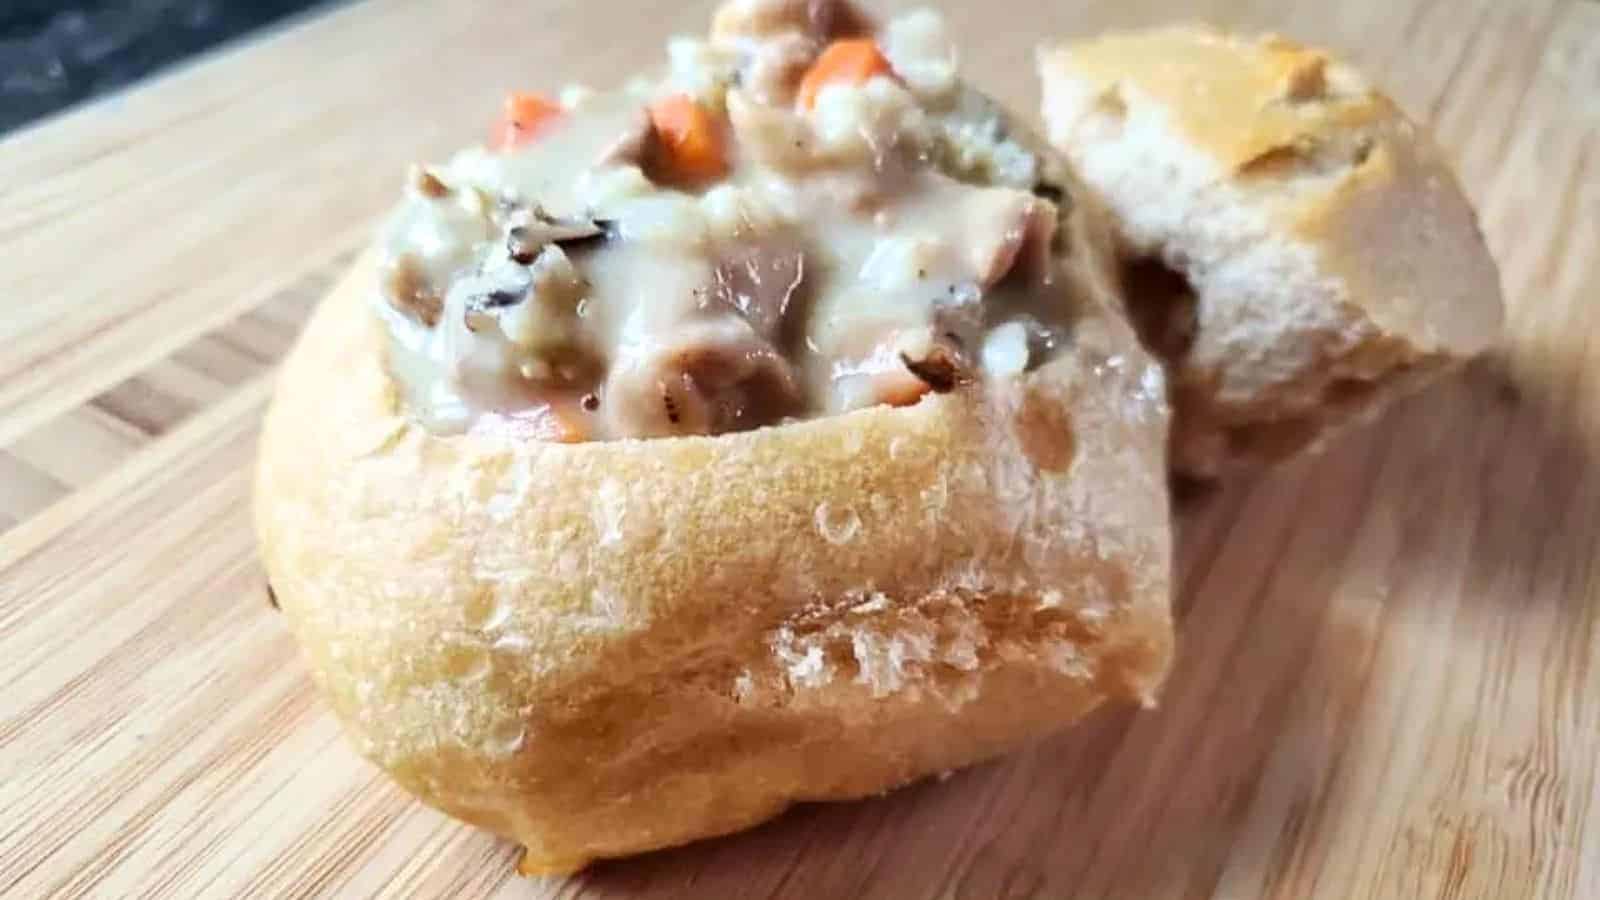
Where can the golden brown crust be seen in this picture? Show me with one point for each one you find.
(603, 648)
(1238, 99)
(1335, 261)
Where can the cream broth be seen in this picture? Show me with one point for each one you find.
(871, 241)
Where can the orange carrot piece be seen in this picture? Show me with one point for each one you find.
(566, 429)
(851, 60)
(526, 116)
(558, 422)
(688, 144)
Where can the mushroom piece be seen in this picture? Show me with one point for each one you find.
(760, 282)
(716, 376)
(530, 229)
(821, 20)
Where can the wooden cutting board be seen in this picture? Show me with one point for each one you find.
(1389, 682)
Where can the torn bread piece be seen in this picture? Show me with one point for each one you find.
(1295, 249)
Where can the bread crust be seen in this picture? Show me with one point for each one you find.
(603, 648)
(1331, 258)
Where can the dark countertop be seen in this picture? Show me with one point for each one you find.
(55, 54)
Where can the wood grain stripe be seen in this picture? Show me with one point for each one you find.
(45, 464)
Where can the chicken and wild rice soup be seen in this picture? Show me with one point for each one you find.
(804, 214)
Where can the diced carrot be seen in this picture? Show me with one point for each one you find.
(526, 116)
(563, 424)
(558, 422)
(688, 145)
(851, 60)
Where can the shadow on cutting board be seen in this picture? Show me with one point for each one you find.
(1459, 498)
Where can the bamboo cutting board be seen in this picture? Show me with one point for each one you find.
(1389, 683)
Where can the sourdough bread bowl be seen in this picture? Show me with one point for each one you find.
(880, 537)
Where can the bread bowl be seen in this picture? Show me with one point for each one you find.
(1298, 250)
(599, 611)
